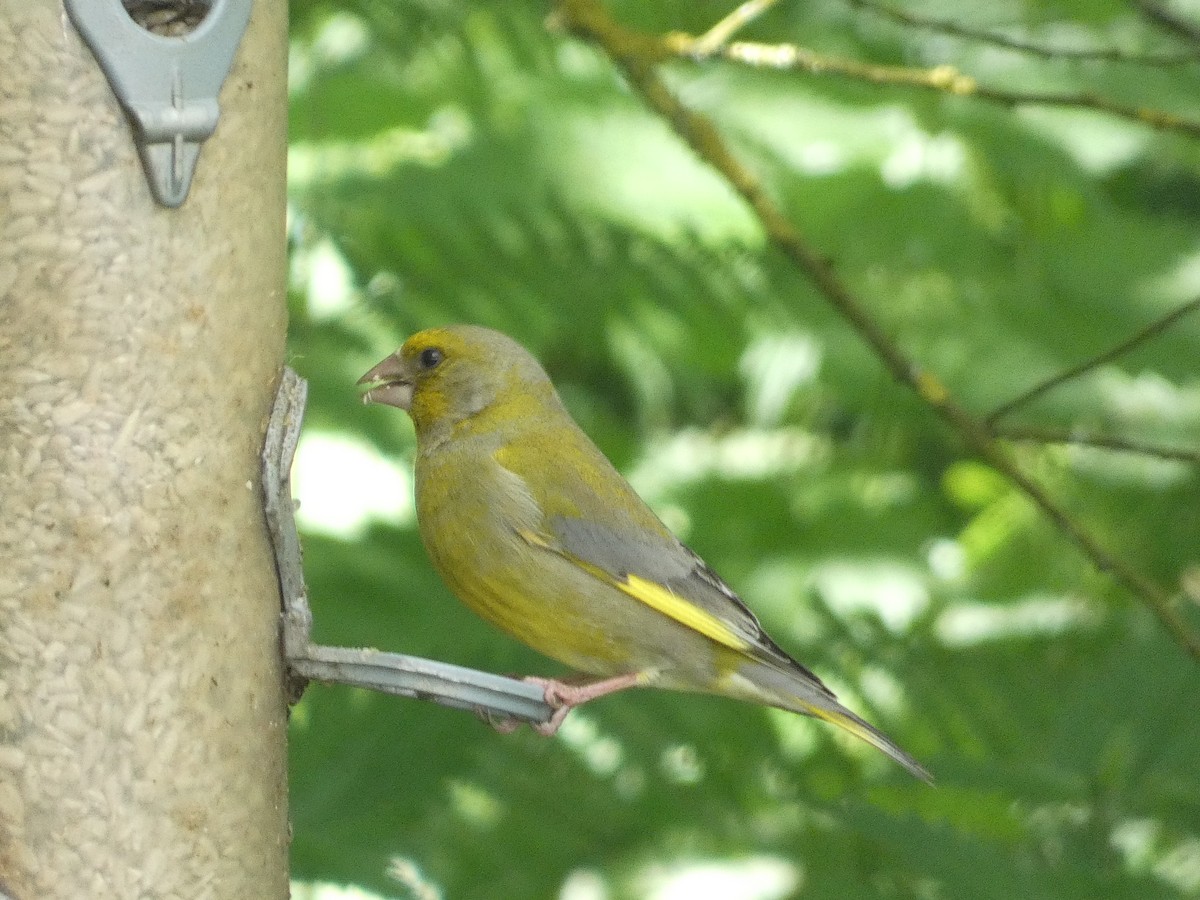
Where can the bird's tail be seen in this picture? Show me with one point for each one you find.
(796, 692)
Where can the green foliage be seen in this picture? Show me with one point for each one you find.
(456, 161)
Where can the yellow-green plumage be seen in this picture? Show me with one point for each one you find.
(532, 527)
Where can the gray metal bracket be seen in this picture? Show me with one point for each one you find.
(168, 86)
(501, 701)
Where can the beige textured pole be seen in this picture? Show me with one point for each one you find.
(142, 724)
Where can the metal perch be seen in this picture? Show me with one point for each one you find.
(494, 697)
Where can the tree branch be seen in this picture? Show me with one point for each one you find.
(1098, 441)
(718, 36)
(999, 39)
(944, 79)
(1158, 326)
(589, 19)
(1168, 21)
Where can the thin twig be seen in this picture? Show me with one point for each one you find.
(589, 19)
(1168, 21)
(1099, 441)
(718, 36)
(999, 39)
(944, 79)
(1158, 119)
(1152, 330)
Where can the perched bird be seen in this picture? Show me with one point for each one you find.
(536, 531)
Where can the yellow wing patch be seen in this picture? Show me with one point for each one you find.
(653, 595)
(681, 610)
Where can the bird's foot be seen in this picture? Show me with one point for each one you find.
(563, 696)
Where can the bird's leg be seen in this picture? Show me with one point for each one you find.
(564, 697)
(561, 697)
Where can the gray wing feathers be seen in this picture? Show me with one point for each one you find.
(669, 563)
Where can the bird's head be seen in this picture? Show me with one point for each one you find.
(443, 376)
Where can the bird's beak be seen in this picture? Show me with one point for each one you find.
(389, 383)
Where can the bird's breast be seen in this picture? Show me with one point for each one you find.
(471, 517)
(470, 511)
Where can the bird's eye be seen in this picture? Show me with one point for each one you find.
(430, 357)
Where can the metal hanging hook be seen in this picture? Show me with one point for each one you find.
(168, 86)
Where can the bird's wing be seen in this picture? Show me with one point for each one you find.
(620, 541)
(670, 578)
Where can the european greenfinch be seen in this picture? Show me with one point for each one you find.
(536, 531)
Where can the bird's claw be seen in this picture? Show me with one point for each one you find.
(561, 697)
